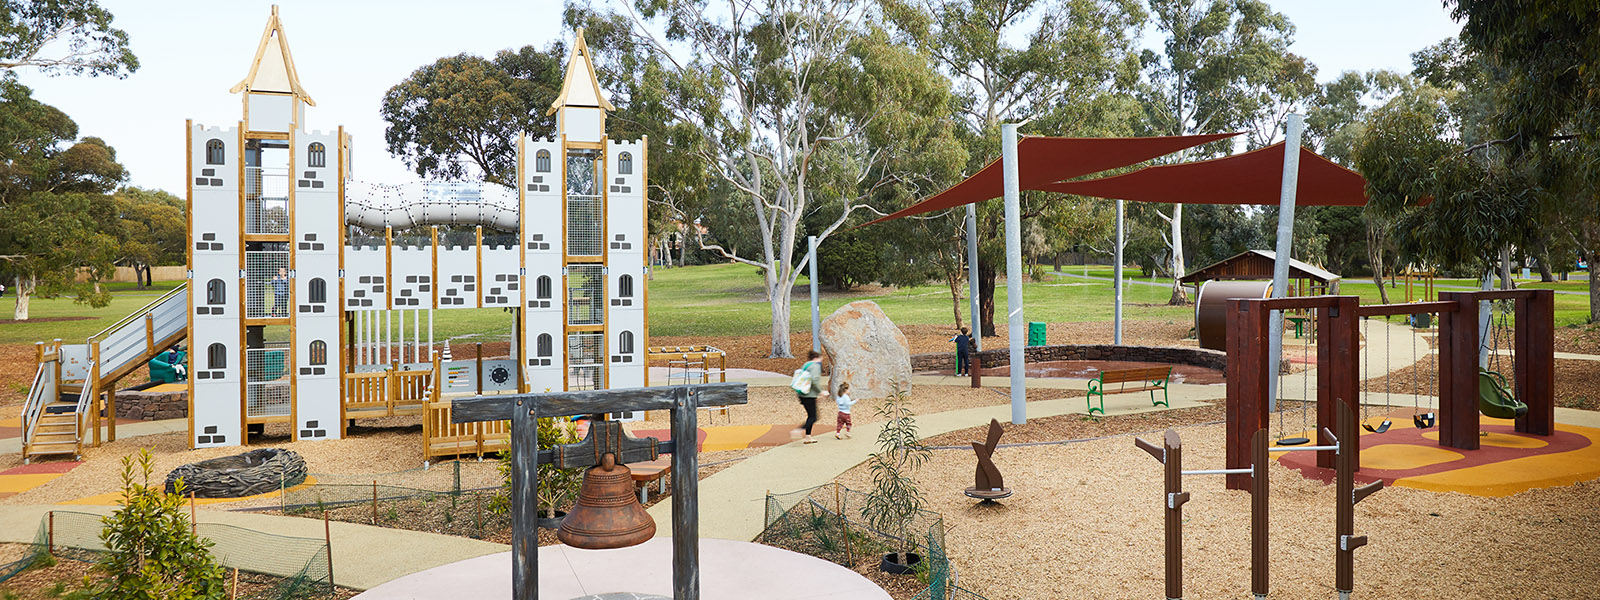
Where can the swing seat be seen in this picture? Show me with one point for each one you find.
(1494, 400)
(1424, 420)
(1382, 427)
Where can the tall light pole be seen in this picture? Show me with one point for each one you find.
(972, 276)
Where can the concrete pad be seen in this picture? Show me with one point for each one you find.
(729, 570)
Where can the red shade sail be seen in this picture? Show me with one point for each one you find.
(1044, 160)
(1255, 177)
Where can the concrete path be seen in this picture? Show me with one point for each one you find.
(363, 556)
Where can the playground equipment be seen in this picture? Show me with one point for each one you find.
(1210, 323)
(1346, 496)
(1337, 376)
(299, 317)
(170, 367)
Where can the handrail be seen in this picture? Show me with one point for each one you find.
(35, 404)
(138, 314)
(85, 395)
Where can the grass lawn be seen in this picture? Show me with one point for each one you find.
(727, 299)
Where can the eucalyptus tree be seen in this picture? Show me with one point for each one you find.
(1219, 66)
(803, 108)
(1059, 67)
(63, 36)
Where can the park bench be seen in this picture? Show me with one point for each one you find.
(646, 472)
(1149, 379)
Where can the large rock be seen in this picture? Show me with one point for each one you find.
(867, 350)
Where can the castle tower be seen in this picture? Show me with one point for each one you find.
(266, 227)
(583, 229)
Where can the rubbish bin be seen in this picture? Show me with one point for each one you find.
(1036, 334)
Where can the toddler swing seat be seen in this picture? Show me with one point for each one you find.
(1494, 400)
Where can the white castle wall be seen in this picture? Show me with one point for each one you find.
(216, 244)
(625, 257)
(542, 237)
(315, 230)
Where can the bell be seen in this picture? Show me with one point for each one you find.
(607, 514)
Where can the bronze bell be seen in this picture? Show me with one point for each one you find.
(607, 514)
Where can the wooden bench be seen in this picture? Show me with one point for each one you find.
(1149, 379)
(646, 472)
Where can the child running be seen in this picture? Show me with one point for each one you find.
(841, 429)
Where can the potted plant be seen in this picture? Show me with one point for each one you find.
(894, 501)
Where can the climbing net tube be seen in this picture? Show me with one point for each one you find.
(423, 203)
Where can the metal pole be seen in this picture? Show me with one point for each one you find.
(1013, 200)
(1116, 330)
(816, 319)
(1280, 265)
(972, 277)
(1485, 321)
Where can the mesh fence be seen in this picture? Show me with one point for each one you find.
(269, 567)
(266, 200)
(434, 499)
(828, 522)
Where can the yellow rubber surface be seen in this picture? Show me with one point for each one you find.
(1398, 457)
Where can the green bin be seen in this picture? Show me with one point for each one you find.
(1036, 334)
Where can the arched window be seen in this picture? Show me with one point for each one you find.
(216, 292)
(625, 286)
(625, 342)
(625, 163)
(319, 352)
(546, 345)
(541, 287)
(216, 356)
(319, 291)
(541, 161)
(316, 155)
(214, 152)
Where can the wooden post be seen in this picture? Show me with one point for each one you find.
(1458, 378)
(685, 494)
(194, 524)
(1247, 383)
(479, 376)
(111, 410)
(972, 369)
(1535, 361)
(327, 538)
(234, 593)
(1258, 514)
(1338, 377)
(50, 535)
(1346, 496)
(524, 502)
(1171, 456)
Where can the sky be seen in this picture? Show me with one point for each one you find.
(349, 53)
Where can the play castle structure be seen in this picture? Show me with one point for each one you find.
(311, 296)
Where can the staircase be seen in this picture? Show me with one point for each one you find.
(63, 405)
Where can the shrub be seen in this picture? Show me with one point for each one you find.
(895, 501)
(558, 488)
(153, 553)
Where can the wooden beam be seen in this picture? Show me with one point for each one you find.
(524, 504)
(1383, 310)
(1458, 378)
(566, 404)
(685, 491)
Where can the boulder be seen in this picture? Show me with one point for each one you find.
(867, 350)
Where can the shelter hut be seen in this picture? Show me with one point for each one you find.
(1248, 274)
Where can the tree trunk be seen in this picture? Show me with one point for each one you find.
(1179, 296)
(1505, 270)
(986, 280)
(1593, 259)
(1375, 256)
(24, 295)
(779, 292)
(1056, 261)
(955, 294)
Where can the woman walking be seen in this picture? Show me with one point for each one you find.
(807, 386)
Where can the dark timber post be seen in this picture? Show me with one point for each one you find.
(1258, 513)
(1536, 362)
(1247, 383)
(1346, 495)
(1458, 377)
(685, 496)
(524, 502)
(1171, 455)
(1338, 378)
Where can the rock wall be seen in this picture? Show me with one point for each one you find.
(866, 349)
(1199, 357)
(152, 406)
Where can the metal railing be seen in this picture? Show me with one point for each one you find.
(266, 200)
(138, 314)
(33, 408)
(85, 399)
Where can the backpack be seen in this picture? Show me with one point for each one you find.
(802, 379)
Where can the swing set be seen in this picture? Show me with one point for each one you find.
(1525, 325)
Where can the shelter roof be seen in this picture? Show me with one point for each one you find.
(1256, 265)
(580, 87)
(1254, 177)
(1044, 160)
(272, 70)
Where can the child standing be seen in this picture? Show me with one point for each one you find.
(841, 429)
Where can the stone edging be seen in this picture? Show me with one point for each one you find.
(1199, 357)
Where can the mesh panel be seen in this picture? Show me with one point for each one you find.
(267, 380)
(585, 354)
(583, 206)
(585, 294)
(267, 281)
(266, 200)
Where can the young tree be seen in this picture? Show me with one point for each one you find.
(63, 36)
(806, 107)
(152, 550)
(1217, 52)
(1067, 78)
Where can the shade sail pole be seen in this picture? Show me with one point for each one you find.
(1013, 200)
(1280, 263)
(816, 317)
(972, 276)
(1116, 276)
